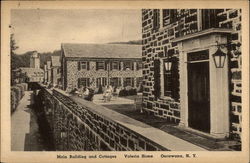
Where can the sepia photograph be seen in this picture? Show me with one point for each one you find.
(126, 79)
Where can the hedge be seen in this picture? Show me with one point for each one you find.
(129, 92)
(16, 94)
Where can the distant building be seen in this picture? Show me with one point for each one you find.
(47, 72)
(95, 65)
(45, 69)
(34, 60)
(55, 70)
(33, 74)
(192, 68)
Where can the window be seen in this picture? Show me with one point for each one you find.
(83, 82)
(100, 66)
(98, 82)
(209, 18)
(128, 82)
(115, 82)
(170, 85)
(127, 65)
(114, 65)
(165, 17)
(156, 19)
(104, 81)
(168, 16)
(58, 71)
(167, 82)
(83, 65)
(101, 81)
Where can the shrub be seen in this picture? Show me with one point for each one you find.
(13, 101)
(17, 92)
(21, 89)
(123, 92)
(132, 92)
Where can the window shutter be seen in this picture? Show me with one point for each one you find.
(105, 65)
(157, 80)
(96, 66)
(111, 63)
(132, 65)
(119, 65)
(87, 65)
(79, 65)
(133, 82)
(175, 83)
(79, 82)
(119, 82)
(88, 82)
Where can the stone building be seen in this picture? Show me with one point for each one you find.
(47, 72)
(192, 68)
(33, 73)
(55, 70)
(95, 65)
(34, 60)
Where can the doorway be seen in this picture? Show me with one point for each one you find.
(199, 96)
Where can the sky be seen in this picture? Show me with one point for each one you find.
(45, 29)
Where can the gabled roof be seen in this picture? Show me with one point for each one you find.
(102, 50)
(55, 61)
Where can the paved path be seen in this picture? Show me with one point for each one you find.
(24, 128)
(98, 99)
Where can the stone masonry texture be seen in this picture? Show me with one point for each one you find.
(156, 41)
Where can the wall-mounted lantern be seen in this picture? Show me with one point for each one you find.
(219, 57)
(168, 65)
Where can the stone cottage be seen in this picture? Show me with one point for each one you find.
(95, 65)
(192, 68)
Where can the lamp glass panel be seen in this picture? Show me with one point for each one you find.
(223, 58)
(217, 60)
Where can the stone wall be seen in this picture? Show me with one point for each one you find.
(158, 41)
(78, 127)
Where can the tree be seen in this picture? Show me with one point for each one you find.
(14, 58)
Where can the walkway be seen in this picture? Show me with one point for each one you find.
(98, 99)
(24, 128)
